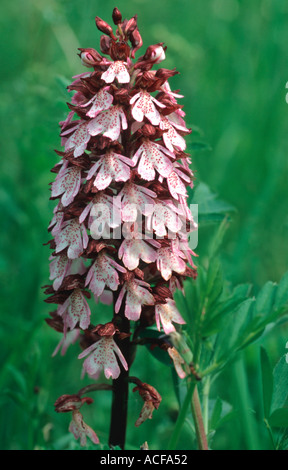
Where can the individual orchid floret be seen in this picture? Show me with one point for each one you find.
(73, 403)
(110, 166)
(153, 156)
(137, 295)
(75, 310)
(117, 70)
(78, 140)
(172, 139)
(175, 182)
(72, 236)
(103, 354)
(67, 185)
(103, 273)
(59, 267)
(109, 123)
(132, 250)
(81, 430)
(169, 261)
(166, 219)
(151, 397)
(100, 102)
(66, 341)
(178, 362)
(167, 313)
(57, 220)
(144, 105)
(155, 53)
(133, 199)
(89, 57)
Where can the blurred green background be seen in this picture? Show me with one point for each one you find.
(232, 59)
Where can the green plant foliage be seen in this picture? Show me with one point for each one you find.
(232, 58)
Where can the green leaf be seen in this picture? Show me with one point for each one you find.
(282, 293)
(156, 351)
(208, 202)
(199, 146)
(280, 379)
(279, 418)
(267, 381)
(265, 299)
(216, 414)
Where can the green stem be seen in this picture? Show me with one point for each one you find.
(205, 402)
(270, 433)
(181, 417)
(198, 421)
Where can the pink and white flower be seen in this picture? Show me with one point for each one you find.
(137, 295)
(102, 215)
(74, 237)
(81, 430)
(171, 137)
(108, 123)
(178, 362)
(110, 166)
(61, 266)
(131, 251)
(144, 106)
(165, 219)
(100, 102)
(70, 338)
(117, 70)
(57, 219)
(103, 355)
(170, 260)
(75, 310)
(167, 313)
(153, 157)
(79, 139)
(67, 185)
(102, 273)
(133, 199)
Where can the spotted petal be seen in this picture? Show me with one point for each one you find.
(111, 166)
(144, 106)
(74, 237)
(167, 313)
(75, 310)
(78, 140)
(108, 123)
(103, 355)
(153, 157)
(116, 70)
(67, 185)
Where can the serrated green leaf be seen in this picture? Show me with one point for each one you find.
(267, 381)
(279, 418)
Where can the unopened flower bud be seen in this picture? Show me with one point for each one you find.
(105, 44)
(116, 15)
(89, 57)
(136, 41)
(104, 27)
(130, 25)
(67, 403)
(155, 53)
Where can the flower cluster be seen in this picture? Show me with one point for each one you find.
(121, 224)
